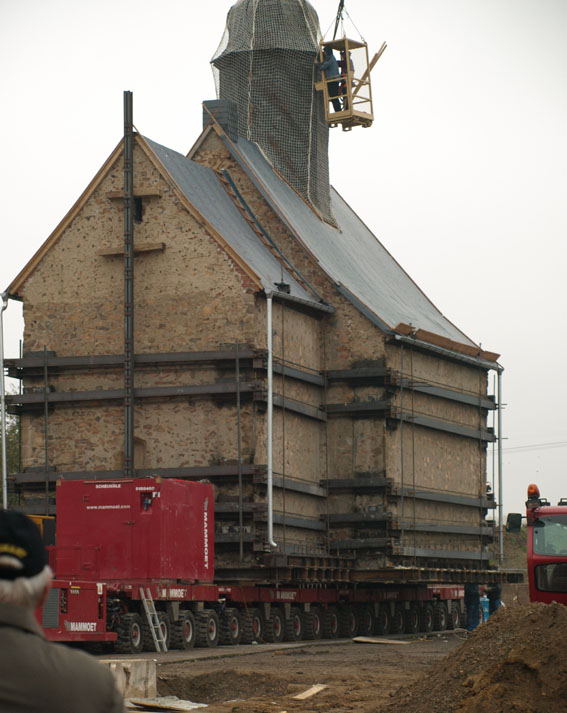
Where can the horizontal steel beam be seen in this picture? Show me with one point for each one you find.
(443, 554)
(436, 575)
(298, 486)
(304, 523)
(195, 473)
(479, 400)
(359, 408)
(369, 484)
(484, 531)
(290, 372)
(232, 538)
(447, 426)
(440, 497)
(107, 361)
(298, 407)
(374, 374)
(358, 544)
(62, 397)
(381, 518)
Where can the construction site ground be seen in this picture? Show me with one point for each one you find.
(254, 679)
(513, 663)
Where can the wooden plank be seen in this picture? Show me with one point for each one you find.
(375, 640)
(147, 193)
(362, 81)
(317, 688)
(143, 248)
(163, 703)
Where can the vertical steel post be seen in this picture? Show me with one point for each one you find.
(3, 405)
(270, 422)
(238, 438)
(500, 483)
(128, 286)
(46, 427)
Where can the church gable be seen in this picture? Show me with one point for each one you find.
(73, 294)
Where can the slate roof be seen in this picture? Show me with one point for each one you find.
(361, 267)
(203, 189)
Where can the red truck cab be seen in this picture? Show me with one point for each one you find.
(547, 548)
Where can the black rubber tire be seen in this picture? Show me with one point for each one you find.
(294, 625)
(252, 625)
(426, 618)
(208, 628)
(313, 624)
(165, 626)
(231, 628)
(275, 626)
(398, 620)
(183, 631)
(412, 619)
(440, 616)
(455, 620)
(383, 620)
(347, 622)
(365, 620)
(331, 625)
(148, 639)
(129, 632)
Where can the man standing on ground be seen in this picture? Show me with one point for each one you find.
(38, 676)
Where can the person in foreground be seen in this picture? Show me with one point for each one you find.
(37, 675)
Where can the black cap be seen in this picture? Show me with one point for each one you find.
(22, 553)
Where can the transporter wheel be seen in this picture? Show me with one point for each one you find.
(275, 626)
(383, 620)
(129, 632)
(165, 626)
(366, 620)
(426, 620)
(147, 637)
(252, 625)
(294, 626)
(208, 628)
(398, 620)
(455, 620)
(183, 631)
(231, 629)
(330, 623)
(313, 624)
(440, 616)
(412, 619)
(348, 622)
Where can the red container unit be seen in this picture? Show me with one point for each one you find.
(140, 530)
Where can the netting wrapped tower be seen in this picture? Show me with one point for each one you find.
(265, 64)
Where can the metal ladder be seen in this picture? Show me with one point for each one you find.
(153, 621)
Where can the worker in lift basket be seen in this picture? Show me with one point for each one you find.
(330, 67)
(37, 676)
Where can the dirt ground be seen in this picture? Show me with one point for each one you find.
(513, 663)
(360, 677)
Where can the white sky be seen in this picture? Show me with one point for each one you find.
(462, 176)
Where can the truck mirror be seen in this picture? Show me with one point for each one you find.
(513, 522)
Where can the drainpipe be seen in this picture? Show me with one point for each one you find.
(3, 405)
(270, 414)
(500, 487)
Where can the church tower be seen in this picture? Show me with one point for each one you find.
(265, 64)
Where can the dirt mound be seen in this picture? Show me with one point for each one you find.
(514, 663)
(212, 687)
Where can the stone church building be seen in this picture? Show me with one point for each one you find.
(280, 351)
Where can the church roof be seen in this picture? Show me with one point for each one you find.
(202, 188)
(359, 265)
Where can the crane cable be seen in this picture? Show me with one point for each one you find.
(339, 17)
